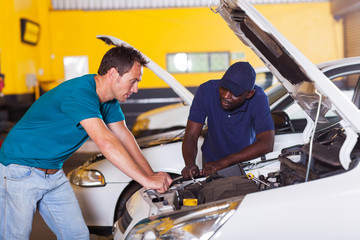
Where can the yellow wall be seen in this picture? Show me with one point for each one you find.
(19, 59)
(156, 32)
(309, 26)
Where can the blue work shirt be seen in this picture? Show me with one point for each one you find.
(229, 131)
(50, 131)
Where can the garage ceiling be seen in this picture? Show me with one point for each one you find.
(341, 7)
(146, 4)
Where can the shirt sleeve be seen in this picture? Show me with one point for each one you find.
(262, 115)
(198, 109)
(111, 112)
(81, 104)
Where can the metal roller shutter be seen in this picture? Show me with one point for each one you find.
(352, 34)
(148, 4)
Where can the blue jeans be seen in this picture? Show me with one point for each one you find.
(24, 189)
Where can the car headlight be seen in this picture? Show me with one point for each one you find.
(195, 223)
(87, 178)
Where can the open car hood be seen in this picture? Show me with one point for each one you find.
(298, 75)
(311, 89)
(179, 89)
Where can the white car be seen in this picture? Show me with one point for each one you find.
(102, 190)
(312, 192)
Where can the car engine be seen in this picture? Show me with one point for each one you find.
(294, 168)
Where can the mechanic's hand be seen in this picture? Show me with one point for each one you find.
(159, 181)
(190, 171)
(167, 178)
(212, 167)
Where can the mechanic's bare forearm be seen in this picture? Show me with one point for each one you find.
(189, 151)
(113, 150)
(133, 148)
(120, 158)
(142, 174)
(189, 146)
(128, 141)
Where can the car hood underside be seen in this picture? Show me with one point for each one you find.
(302, 79)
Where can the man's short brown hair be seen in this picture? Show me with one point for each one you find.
(122, 58)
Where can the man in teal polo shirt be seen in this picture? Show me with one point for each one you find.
(54, 127)
(240, 126)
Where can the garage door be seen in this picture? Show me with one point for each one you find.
(352, 34)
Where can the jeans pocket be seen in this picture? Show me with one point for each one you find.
(18, 172)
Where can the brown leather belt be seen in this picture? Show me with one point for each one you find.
(48, 171)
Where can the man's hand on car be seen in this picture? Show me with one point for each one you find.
(160, 182)
(190, 171)
(212, 167)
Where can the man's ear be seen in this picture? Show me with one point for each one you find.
(113, 73)
(250, 94)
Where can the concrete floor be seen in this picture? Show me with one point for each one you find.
(40, 230)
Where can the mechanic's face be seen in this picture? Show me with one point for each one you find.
(230, 102)
(127, 84)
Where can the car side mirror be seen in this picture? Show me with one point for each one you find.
(282, 121)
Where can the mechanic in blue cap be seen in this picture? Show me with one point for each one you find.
(240, 126)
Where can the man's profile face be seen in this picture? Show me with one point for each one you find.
(229, 101)
(127, 84)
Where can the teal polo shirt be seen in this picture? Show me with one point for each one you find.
(229, 131)
(50, 131)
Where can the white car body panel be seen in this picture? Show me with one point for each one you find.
(99, 203)
(322, 209)
(167, 116)
(138, 202)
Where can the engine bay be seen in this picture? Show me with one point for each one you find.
(296, 164)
